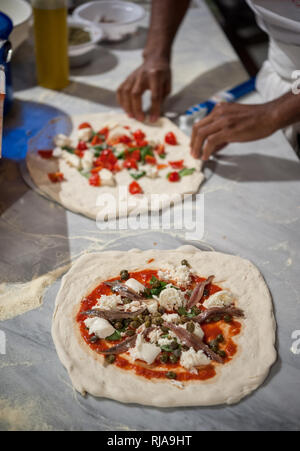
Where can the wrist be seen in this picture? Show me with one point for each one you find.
(157, 55)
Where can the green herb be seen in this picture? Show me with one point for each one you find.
(86, 174)
(115, 336)
(183, 312)
(186, 171)
(171, 375)
(137, 175)
(147, 150)
(68, 149)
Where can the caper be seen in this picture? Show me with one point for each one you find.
(134, 324)
(215, 348)
(227, 318)
(215, 319)
(93, 339)
(161, 310)
(130, 332)
(184, 320)
(147, 293)
(110, 358)
(206, 292)
(190, 327)
(222, 354)
(148, 323)
(185, 263)
(177, 352)
(173, 358)
(185, 348)
(124, 274)
(118, 325)
(155, 284)
(164, 357)
(171, 375)
(220, 338)
(141, 318)
(157, 314)
(174, 345)
(158, 321)
(165, 329)
(195, 310)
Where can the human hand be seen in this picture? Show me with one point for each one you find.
(231, 122)
(153, 75)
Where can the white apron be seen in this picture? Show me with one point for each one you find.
(281, 20)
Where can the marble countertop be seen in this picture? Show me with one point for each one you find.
(252, 209)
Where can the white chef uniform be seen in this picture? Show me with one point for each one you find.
(281, 20)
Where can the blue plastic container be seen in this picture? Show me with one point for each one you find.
(6, 27)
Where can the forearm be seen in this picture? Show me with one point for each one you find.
(166, 17)
(286, 110)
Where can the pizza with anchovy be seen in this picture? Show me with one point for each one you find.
(111, 154)
(165, 328)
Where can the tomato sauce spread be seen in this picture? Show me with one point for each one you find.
(158, 369)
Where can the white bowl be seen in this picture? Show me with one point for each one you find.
(83, 53)
(20, 13)
(124, 16)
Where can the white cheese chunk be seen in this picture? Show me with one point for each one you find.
(155, 335)
(180, 274)
(133, 306)
(85, 134)
(151, 171)
(164, 341)
(191, 359)
(72, 159)
(152, 305)
(57, 152)
(144, 351)
(62, 140)
(87, 160)
(107, 178)
(171, 299)
(220, 299)
(170, 317)
(135, 285)
(108, 302)
(100, 327)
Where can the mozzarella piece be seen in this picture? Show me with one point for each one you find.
(135, 285)
(71, 159)
(85, 134)
(87, 160)
(171, 298)
(191, 359)
(133, 306)
(152, 305)
(220, 299)
(62, 140)
(108, 302)
(57, 152)
(155, 335)
(164, 341)
(100, 327)
(144, 351)
(151, 171)
(107, 177)
(180, 274)
(170, 317)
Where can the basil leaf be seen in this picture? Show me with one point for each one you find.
(68, 149)
(115, 336)
(147, 150)
(186, 171)
(137, 175)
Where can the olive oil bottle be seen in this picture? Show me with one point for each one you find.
(51, 43)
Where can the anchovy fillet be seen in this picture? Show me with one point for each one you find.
(121, 347)
(113, 314)
(198, 292)
(218, 312)
(124, 291)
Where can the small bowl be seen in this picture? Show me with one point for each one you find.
(118, 20)
(20, 13)
(82, 54)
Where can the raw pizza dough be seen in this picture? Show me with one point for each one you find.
(243, 374)
(77, 195)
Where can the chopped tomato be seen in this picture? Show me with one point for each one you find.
(97, 169)
(139, 135)
(79, 153)
(170, 138)
(104, 132)
(127, 127)
(135, 188)
(176, 164)
(161, 166)
(150, 160)
(141, 143)
(174, 177)
(82, 145)
(96, 140)
(56, 177)
(46, 154)
(130, 163)
(136, 155)
(124, 139)
(84, 125)
(95, 180)
(107, 159)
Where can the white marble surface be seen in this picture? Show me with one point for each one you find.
(252, 209)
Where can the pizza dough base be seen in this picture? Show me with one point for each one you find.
(77, 195)
(233, 381)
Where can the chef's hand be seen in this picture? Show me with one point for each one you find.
(231, 122)
(153, 75)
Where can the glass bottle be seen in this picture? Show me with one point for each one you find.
(51, 43)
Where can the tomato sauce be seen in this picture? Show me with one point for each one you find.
(157, 369)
